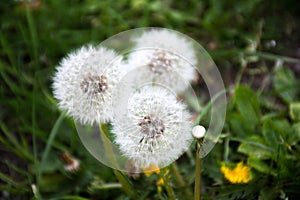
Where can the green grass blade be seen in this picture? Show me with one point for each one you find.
(18, 148)
(7, 179)
(51, 138)
(205, 110)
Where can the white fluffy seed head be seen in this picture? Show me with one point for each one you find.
(84, 82)
(155, 130)
(198, 131)
(163, 57)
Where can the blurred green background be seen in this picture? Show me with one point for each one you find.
(255, 43)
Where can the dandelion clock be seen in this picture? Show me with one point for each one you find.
(84, 82)
(155, 129)
(127, 97)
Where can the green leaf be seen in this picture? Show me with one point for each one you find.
(239, 125)
(247, 105)
(286, 84)
(255, 147)
(277, 132)
(260, 166)
(270, 134)
(269, 193)
(295, 111)
(295, 136)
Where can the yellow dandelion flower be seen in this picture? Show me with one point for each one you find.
(151, 169)
(239, 174)
(159, 184)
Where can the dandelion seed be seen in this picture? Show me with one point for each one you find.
(156, 130)
(163, 57)
(84, 83)
(239, 174)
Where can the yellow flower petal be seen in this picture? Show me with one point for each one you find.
(239, 174)
(159, 184)
(151, 169)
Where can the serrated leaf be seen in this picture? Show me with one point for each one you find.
(260, 166)
(295, 111)
(247, 105)
(285, 84)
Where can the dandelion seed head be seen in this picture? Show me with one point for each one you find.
(151, 126)
(94, 84)
(155, 130)
(168, 40)
(84, 82)
(161, 62)
(163, 57)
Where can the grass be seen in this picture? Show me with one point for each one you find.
(35, 35)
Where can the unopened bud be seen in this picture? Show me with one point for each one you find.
(198, 131)
(70, 164)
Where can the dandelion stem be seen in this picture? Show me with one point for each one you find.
(240, 73)
(106, 186)
(107, 145)
(207, 108)
(126, 185)
(197, 173)
(179, 179)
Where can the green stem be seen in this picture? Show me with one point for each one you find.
(107, 146)
(34, 146)
(126, 185)
(179, 179)
(240, 74)
(107, 186)
(206, 109)
(236, 52)
(274, 57)
(226, 149)
(167, 185)
(197, 173)
(33, 34)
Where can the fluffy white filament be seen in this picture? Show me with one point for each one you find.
(164, 58)
(84, 82)
(156, 129)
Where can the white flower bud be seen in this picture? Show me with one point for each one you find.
(198, 131)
